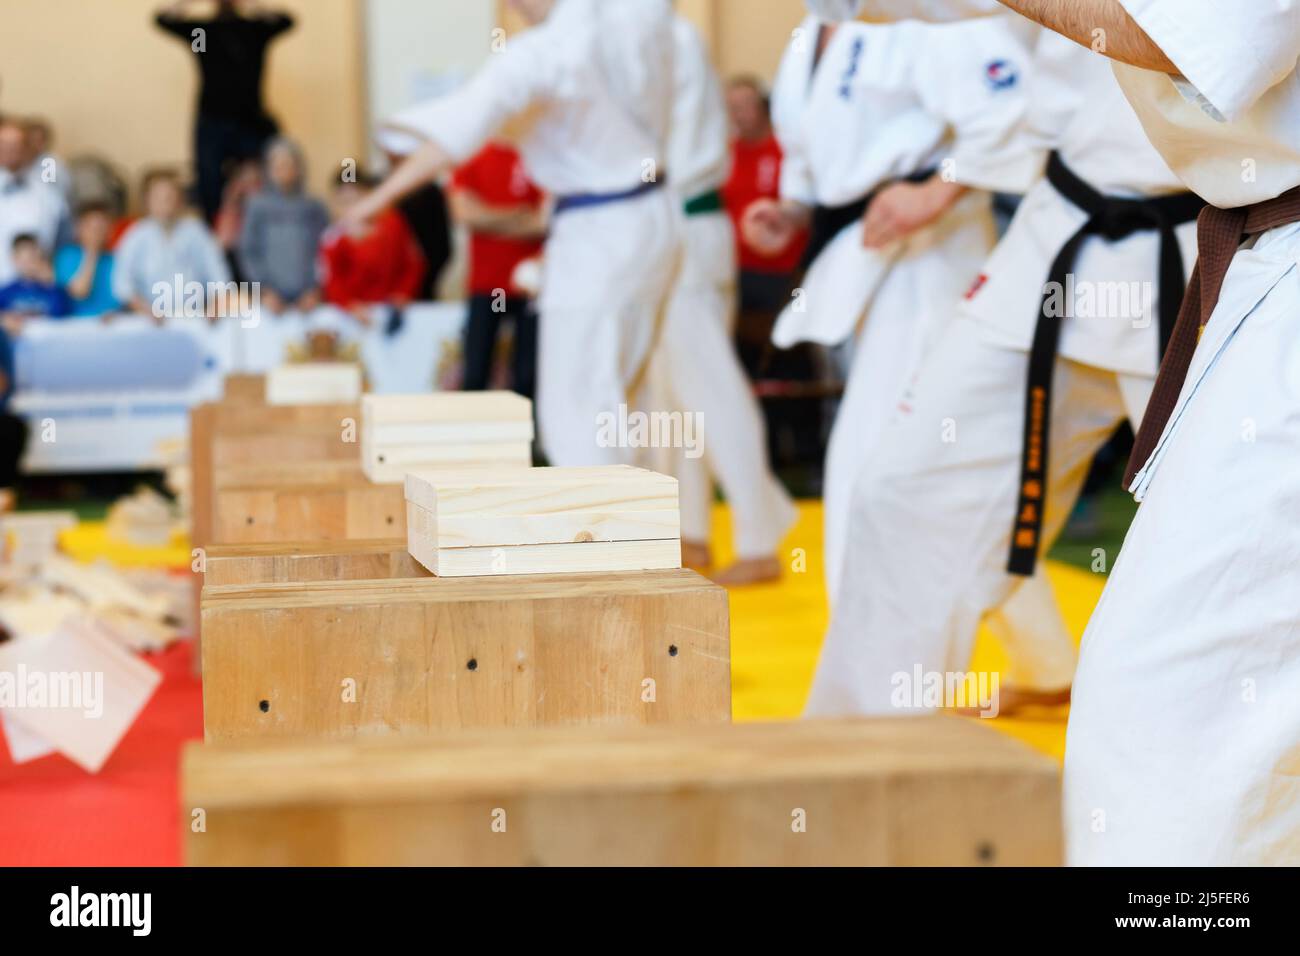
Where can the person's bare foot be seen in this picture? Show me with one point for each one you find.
(696, 555)
(749, 571)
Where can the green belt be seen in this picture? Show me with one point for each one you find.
(710, 201)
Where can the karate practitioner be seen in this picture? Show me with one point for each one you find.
(1184, 735)
(884, 130)
(591, 83)
(990, 449)
(696, 370)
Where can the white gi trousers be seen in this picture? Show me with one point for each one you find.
(931, 519)
(1184, 738)
(696, 371)
(607, 275)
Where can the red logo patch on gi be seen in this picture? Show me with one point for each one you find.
(975, 286)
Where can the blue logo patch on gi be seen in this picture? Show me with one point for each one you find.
(1001, 75)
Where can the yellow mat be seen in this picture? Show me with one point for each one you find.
(90, 541)
(777, 630)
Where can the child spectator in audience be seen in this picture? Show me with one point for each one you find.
(282, 232)
(378, 263)
(33, 292)
(84, 269)
(167, 246)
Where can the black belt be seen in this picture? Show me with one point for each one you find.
(827, 221)
(1113, 219)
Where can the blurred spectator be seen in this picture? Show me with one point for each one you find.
(379, 263)
(426, 214)
(492, 196)
(84, 268)
(281, 234)
(765, 280)
(232, 123)
(47, 166)
(28, 205)
(13, 431)
(229, 224)
(32, 293)
(167, 246)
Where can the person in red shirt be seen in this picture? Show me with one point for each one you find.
(492, 196)
(377, 264)
(765, 280)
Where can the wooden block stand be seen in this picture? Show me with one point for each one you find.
(337, 659)
(912, 791)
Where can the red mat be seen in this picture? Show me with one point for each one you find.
(52, 813)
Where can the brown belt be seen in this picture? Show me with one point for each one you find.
(1219, 234)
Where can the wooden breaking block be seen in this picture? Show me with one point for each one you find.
(308, 561)
(314, 383)
(410, 655)
(91, 690)
(403, 432)
(227, 434)
(30, 537)
(906, 791)
(542, 520)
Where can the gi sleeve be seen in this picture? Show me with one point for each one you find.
(796, 183)
(974, 76)
(523, 74)
(888, 11)
(1229, 52)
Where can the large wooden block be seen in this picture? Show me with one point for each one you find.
(542, 520)
(910, 791)
(244, 389)
(404, 432)
(411, 655)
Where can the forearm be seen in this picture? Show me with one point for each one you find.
(1103, 26)
(421, 166)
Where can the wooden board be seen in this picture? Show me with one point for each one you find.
(911, 791)
(431, 653)
(542, 520)
(401, 432)
(94, 690)
(314, 383)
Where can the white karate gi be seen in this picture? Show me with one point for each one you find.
(931, 521)
(1184, 738)
(696, 369)
(594, 84)
(885, 102)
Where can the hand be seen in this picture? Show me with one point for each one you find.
(272, 302)
(768, 227)
(901, 209)
(12, 323)
(308, 300)
(361, 313)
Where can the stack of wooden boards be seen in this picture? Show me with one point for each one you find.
(917, 791)
(542, 520)
(407, 432)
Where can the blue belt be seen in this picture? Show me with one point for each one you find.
(587, 200)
